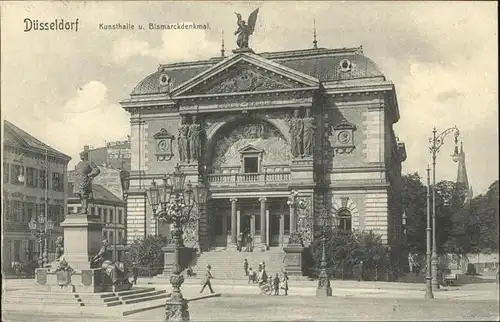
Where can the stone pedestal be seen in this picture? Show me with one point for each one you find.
(294, 259)
(302, 171)
(186, 255)
(82, 239)
(324, 289)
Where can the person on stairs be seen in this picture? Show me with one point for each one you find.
(245, 267)
(206, 280)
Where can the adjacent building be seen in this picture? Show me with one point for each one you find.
(115, 155)
(34, 185)
(111, 210)
(278, 137)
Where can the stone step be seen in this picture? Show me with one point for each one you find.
(141, 295)
(134, 291)
(147, 298)
(12, 300)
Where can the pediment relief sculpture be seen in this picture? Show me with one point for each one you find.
(247, 80)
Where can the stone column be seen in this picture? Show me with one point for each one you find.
(233, 221)
(282, 229)
(263, 221)
(291, 203)
(238, 221)
(252, 226)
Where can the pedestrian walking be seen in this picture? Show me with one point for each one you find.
(239, 244)
(276, 284)
(252, 276)
(284, 283)
(245, 267)
(206, 280)
(358, 271)
(135, 273)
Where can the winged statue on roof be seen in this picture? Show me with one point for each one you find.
(245, 29)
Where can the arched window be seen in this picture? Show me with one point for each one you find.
(345, 219)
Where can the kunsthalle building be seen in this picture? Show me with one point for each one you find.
(278, 138)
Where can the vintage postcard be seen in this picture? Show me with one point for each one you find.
(249, 161)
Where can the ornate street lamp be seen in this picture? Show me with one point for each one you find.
(436, 141)
(41, 228)
(173, 202)
(325, 221)
(428, 279)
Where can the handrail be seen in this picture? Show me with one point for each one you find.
(234, 179)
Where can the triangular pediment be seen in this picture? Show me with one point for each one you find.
(245, 73)
(250, 149)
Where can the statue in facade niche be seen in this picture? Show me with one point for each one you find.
(194, 140)
(86, 171)
(309, 138)
(296, 133)
(182, 140)
(245, 30)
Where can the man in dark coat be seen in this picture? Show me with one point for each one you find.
(245, 267)
(135, 273)
(276, 284)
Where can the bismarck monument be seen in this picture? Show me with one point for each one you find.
(83, 264)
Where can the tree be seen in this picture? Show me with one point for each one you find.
(414, 201)
(484, 220)
(147, 252)
(346, 248)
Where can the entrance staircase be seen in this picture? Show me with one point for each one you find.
(228, 263)
(107, 299)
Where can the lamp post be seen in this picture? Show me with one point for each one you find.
(41, 228)
(428, 278)
(173, 202)
(324, 289)
(436, 142)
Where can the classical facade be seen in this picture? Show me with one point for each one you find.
(278, 137)
(111, 209)
(34, 184)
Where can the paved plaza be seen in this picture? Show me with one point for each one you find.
(351, 301)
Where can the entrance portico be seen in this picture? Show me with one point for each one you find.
(265, 218)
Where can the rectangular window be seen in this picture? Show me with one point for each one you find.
(99, 213)
(6, 169)
(17, 210)
(31, 177)
(120, 214)
(93, 211)
(57, 181)
(105, 214)
(111, 216)
(30, 208)
(120, 237)
(31, 249)
(251, 164)
(111, 235)
(15, 173)
(17, 250)
(42, 179)
(6, 209)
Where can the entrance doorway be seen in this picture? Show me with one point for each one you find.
(245, 224)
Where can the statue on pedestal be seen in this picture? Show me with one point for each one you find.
(309, 138)
(86, 171)
(245, 30)
(182, 140)
(194, 140)
(296, 134)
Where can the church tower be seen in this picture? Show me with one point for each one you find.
(462, 171)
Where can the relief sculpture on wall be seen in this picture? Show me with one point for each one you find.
(259, 134)
(305, 219)
(296, 134)
(309, 137)
(183, 140)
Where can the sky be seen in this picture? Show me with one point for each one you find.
(64, 87)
